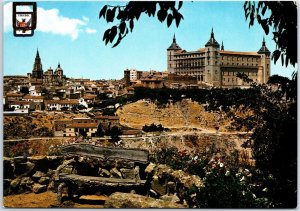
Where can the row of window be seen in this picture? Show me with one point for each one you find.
(240, 58)
(235, 73)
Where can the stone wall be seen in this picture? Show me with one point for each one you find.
(31, 174)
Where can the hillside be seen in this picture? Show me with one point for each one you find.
(37, 124)
(184, 114)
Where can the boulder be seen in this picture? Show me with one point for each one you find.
(20, 159)
(52, 187)
(150, 168)
(115, 173)
(128, 173)
(44, 180)
(15, 183)
(186, 179)
(103, 173)
(27, 182)
(24, 169)
(6, 187)
(37, 188)
(163, 170)
(158, 187)
(37, 175)
(50, 172)
(68, 170)
(171, 198)
(129, 200)
(8, 168)
(124, 164)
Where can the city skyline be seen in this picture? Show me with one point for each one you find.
(73, 37)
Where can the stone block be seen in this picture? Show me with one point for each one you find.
(37, 188)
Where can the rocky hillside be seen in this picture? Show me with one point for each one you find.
(184, 114)
(37, 124)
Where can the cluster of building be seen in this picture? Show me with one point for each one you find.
(53, 91)
(210, 66)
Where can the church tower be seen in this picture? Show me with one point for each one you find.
(264, 67)
(170, 55)
(59, 71)
(37, 72)
(212, 66)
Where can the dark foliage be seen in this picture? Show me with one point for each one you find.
(153, 128)
(127, 15)
(282, 17)
(114, 133)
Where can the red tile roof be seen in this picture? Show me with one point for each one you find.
(82, 125)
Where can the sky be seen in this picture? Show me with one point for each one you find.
(71, 33)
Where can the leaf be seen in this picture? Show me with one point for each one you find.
(179, 5)
(178, 19)
(103, 11)
(118, 41)
(286, 61)
(106, 34)
(131, 25)
(110, 16)
(122, 27)
(113, 33)
(169, 20)
(276, 55)
(265, 26)
(161, 15)
(282, 60)
(264, 10)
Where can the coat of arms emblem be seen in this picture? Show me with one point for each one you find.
(24, 18)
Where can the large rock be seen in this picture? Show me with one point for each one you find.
(37, 188)
(15, 183)
(129, 200)
(26, 181)
(37, 175)
(24, 169)
(43, 163)
(8, 168)
(128, 173)
(150, 168)
(44, 180)
(116, 173)
(20, 159)
(171, 198)
(6, 187)
(104, 173)
(159, 186)
(186, 179)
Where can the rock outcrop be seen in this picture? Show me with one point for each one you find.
(130, 200)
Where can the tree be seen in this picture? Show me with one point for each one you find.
(114, 133)
(100, 131)
(283, 20)
(282, 17)
(127, 15)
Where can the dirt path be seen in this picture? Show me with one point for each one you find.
(48, 200)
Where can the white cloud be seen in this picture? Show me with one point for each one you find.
(7, 17)
(50, 21)
(86, 19)
(90, 31)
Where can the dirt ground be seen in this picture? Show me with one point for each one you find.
(48, 200)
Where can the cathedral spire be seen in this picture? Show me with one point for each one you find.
(37, 53)
(212, 41)
(58, 64)
(264, 49)
(222, 47)
(174, 45)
